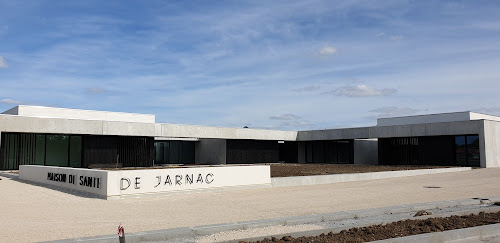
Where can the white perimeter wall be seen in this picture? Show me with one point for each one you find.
(136, 182)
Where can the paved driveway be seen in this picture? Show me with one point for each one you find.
(33, 213)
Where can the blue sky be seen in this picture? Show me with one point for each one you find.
(291, 65)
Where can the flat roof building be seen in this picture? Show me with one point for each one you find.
(83, 138)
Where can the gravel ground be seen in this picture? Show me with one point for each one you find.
(35, 213)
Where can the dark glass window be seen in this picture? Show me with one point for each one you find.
(309, 152)
(319, 151)
(160, 147)
(467, 150)
(40, 150)
(460, 150)
(329, 151)
(188, 152)
(57, 150)
(75, 151)
(473, 150)
(174, 152)
(343, 152)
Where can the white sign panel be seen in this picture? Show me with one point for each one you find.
(113, 183)
(85, 180)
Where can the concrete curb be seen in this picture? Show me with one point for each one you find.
(211, 229)
(479, 232)
(327, 179)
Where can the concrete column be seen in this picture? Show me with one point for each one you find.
(210, 151)
(366, 151)
(489, 144)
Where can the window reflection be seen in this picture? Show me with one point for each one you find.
(467, 150)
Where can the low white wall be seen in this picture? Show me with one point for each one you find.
(107, 183)
(126, 182)
(84, 180)
(327, 179)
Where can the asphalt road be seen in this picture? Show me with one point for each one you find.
(32, 213)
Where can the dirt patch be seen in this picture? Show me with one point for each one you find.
(285, 170)
(397, 229)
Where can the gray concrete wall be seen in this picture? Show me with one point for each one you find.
(432, 129)
(334, 134)
(366, 151)
(423, 119)
(489, 144)
(414, 130)
(13, 123)
(174, 130)
(210, 151)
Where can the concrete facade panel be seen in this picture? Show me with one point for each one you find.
(452, 128)
(128, 129)
(172, 130)
(330, 134)
(49, 125)
(333, 134)
(418, 130)
(353, 133)
(393, 131)
(423, 119)
(260, 134)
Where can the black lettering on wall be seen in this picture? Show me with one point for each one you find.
(189, 179)
(137, 183)
(200, 179)
(178, 179)
(51, 176)
(211, 179)
(122, 186)
(159, 181)
(168, 180)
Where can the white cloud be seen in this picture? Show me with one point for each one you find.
(328, 50)
(361, 90)
(285, 117)
(380, 34)
(10, 102)
(3, 63)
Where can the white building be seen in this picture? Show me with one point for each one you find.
(83, 138)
